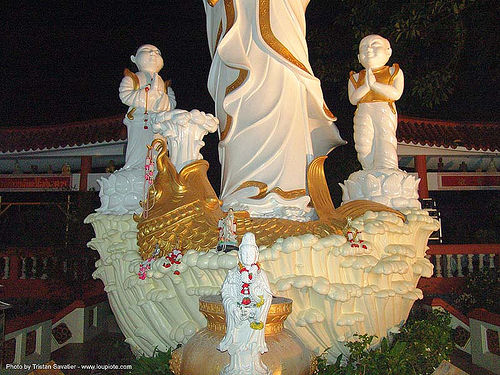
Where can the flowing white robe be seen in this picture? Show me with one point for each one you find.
(273, 120)
(375, 136)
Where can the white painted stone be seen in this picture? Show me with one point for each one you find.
(274, 121)
(392, 187)
(326, 285)
(375, 123)
(184, 132)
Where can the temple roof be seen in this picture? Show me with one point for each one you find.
(450, 134)
(411, 130)
(25, 138)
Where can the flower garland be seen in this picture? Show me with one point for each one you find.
(355, 239)
(149, 168)
(149, 164)
(174, 259)
(247, 279)
(145, 266)
(247, 274)
(353, 235)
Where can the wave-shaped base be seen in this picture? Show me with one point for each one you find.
(338, 288)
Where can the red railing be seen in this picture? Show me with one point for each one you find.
(453, 262)
(43, 272)
(482, 248)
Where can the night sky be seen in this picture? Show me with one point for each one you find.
(64, 63)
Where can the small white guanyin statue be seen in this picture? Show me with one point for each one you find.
(145, 93)
(374, 91)
(246, 297)
(227, 233)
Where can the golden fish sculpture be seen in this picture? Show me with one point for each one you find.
(184, 210)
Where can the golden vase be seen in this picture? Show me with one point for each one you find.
(287, 355)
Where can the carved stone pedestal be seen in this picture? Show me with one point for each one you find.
(286, 355)
(391, 187)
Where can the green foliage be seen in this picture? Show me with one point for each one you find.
(481, 290)
(430, 341)
(417, 350)
(157, 364)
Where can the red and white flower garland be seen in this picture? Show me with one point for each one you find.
(149, 168)
(247, 278)
(173, 259)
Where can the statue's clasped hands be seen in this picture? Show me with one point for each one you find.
(370, 78)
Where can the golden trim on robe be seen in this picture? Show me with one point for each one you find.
(263, 190)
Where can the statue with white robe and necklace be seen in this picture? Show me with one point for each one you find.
(246, 297)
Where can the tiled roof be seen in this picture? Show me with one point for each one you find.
(471, 135)
(63, 135)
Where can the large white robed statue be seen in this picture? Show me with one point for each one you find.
(273, 119)
(247, 297)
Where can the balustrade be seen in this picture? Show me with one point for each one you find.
(460, 269)
(453, 262)
(460, 260)
(26, 272)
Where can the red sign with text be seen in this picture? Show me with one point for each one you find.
(39, 182)
(469, 181)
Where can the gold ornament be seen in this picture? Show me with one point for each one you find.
(185, 208)
(257, 325)
(286, 355)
